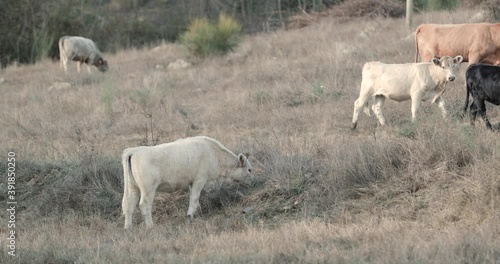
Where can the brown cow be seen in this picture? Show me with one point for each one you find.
(475, 42)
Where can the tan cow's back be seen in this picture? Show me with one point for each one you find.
(474, 42)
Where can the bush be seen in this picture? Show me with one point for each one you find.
(369, 8)
(438, 4)
(492, 8)
(204, 38)
(90, 185)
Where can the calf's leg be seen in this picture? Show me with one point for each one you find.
(358, 105)
(415, 104)
(146, 204)
(194, 197)
(129, 202)
(441, 105)
(377, 108)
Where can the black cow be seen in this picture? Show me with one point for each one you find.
(483, 82)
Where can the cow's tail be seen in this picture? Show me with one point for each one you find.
(61, 43)
(416, 43)
(62, 53)
(127, 174)
(467, 93)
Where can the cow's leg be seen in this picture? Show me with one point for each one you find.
(129, 202)
(88, 68)
(473, 113)
(441, 105)
(61, 62)
(415, 104)
(63, 58)
(481, 108)
(79, 65)
(146, 204)
(64, 62)
(377, 108)
(194, 197)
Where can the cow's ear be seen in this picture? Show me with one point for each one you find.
(241, 159)
(99, 62)
(458, 59)
(436, 61)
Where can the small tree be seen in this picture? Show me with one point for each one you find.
(204, 38)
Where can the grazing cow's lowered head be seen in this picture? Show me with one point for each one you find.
(101, 64)
(82, 50)
(241, 170)
(182, 164)
(401, 82)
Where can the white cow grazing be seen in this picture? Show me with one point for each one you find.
(185, 163)
(82, 50)
(401, 82)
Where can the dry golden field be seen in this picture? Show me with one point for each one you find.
(427, 192)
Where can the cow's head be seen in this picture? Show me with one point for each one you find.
(102, 64)
(243, 169)
(448, 66)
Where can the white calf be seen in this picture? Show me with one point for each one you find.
(190, 162)
(401, 82)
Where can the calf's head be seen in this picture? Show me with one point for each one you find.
(102, 64)
(449, 66)
(242, 169)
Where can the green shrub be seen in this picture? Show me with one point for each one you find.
(440, 4)
(318, 89)
(262, 97)
(408, 129)
(204, 38)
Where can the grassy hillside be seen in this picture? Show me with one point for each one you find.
(427, 192)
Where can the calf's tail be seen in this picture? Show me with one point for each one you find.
(127, 173)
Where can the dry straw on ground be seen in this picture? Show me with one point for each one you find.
(409, 193)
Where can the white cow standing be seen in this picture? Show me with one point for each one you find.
(401, 82)
(82, 50)
(189, 162)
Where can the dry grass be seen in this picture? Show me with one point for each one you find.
(409, 193)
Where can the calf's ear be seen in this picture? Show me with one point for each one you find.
(436, 61)
(241, 159)
(458, 59)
